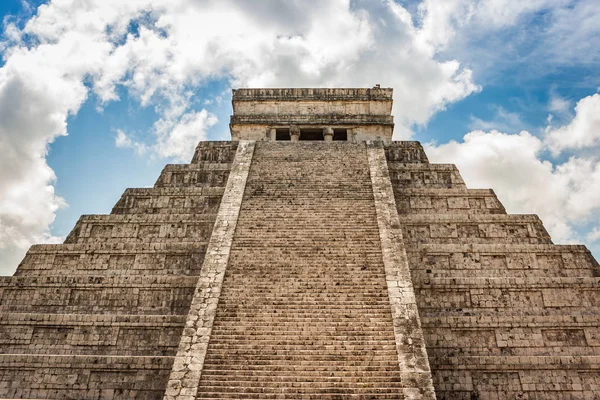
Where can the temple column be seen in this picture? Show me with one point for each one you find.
(351, 135)
(272, 134)
(328, 134)
(294, 133)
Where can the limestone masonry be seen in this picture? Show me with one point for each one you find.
(310, 258)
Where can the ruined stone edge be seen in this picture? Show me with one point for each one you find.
(189, 361)
(410, 344)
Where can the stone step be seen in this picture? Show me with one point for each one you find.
(367, 362)
(288, 304)
(442, 201)
(113, 259)
(83, 377)
(325, 396)
(302, 321)
(317, 372)
(88, 334)
(336, 239)
(299, 293)
(330, 325)
(339, 291)
(159, 295)
(302, 390)
(472, 229)
(415, 175)
(290, 341)
(194, 175)
(161, 228)
(329, 385)
(268, 356)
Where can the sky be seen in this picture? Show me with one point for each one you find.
(97, 95)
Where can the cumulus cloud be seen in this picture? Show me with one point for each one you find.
(503, 120)
(583, 131)
(558, 105)
(532, 37)
(564, 194)
(124, 141)
(594, 235)
(178, 139)
(442, 20)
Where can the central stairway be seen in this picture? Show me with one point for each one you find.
(304, 309)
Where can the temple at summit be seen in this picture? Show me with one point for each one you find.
(311, 257)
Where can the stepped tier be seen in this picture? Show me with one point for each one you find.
(170, 201)
(442, 201)
(499, 260)
(159, 295)
(134, 228)
(83, 377)
(514, 377)
(77, 334)
(473, 229)
(114, 259)
(415, 175)
(405, 152)
(194, 175)
(215, 152)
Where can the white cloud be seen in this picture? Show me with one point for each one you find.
(503, 120)
(39, 89)
(558, 105)
(594, 235)
(572, 34)
(178, 139)
(442, 20)
(583, 131)
(564, 195)
(123, 141)
(528, 38)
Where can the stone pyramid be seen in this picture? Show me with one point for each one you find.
(312, 257)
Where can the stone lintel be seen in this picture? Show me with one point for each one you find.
(187, 366)
(284, 121)
(410, 343)
(295, 94)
